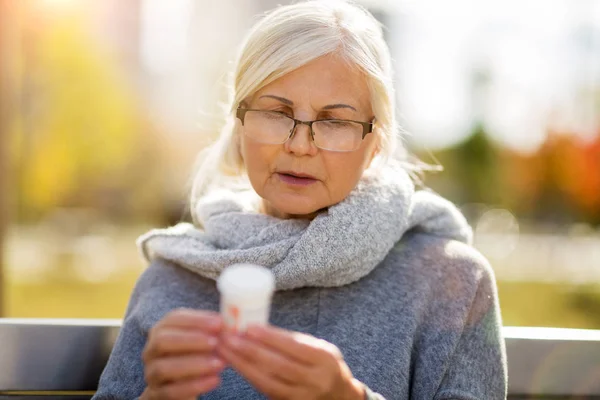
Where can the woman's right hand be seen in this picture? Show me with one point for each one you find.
(180, 361)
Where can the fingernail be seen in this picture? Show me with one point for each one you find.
(212, 341)
(216, 363)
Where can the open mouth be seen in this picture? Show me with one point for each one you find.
(292, 179)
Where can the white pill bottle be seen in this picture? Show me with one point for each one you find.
(246, 291)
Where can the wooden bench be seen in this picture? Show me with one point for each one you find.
(58, 358)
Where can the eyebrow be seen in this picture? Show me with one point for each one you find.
(291, 103)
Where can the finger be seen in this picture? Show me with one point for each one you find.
(267, 359)
(189, 389)
(171, 369)
(171, 341)
(299, 346)
(188, 318)
(262, 381)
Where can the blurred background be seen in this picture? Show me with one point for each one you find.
(104, 105)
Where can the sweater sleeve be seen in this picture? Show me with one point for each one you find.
(123, 375)
(477, 368)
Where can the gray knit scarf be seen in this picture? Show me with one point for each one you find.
(340, 245)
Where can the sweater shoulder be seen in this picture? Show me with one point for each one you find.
(441, 260)
(452, 283)
(164, 286)
(167, 276)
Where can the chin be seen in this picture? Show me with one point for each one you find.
(295, 207)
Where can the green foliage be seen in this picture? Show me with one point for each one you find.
(81, 134)
(560, 183)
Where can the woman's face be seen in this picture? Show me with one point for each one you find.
(309, 93)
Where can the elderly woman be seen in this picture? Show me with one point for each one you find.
(379, 294)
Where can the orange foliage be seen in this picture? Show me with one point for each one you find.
(566, 162)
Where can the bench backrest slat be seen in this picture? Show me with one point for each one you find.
(69, 355)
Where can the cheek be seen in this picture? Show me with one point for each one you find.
(258, 159)
(344, 170)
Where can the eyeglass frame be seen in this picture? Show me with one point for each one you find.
(367, 126)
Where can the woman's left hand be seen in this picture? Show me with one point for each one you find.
(290, 365)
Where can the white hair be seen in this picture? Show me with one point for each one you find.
(285, 39)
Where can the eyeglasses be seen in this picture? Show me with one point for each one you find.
(273, 127)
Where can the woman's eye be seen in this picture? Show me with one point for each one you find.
(284, 112)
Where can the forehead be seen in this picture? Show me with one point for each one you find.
(323, 81)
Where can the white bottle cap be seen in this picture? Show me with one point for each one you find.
(247, 283)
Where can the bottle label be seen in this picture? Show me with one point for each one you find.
(238, 316)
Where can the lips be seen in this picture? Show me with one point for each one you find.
(296, 179)
(297, 174)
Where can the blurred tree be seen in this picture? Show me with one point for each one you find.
(5, 23)
(522, 181)
(573, 167)
(558, 183)
(470, 170)
(478, 170)
(83, 132)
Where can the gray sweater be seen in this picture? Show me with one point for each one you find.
(387, 275)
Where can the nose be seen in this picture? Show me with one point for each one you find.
(301, 141)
